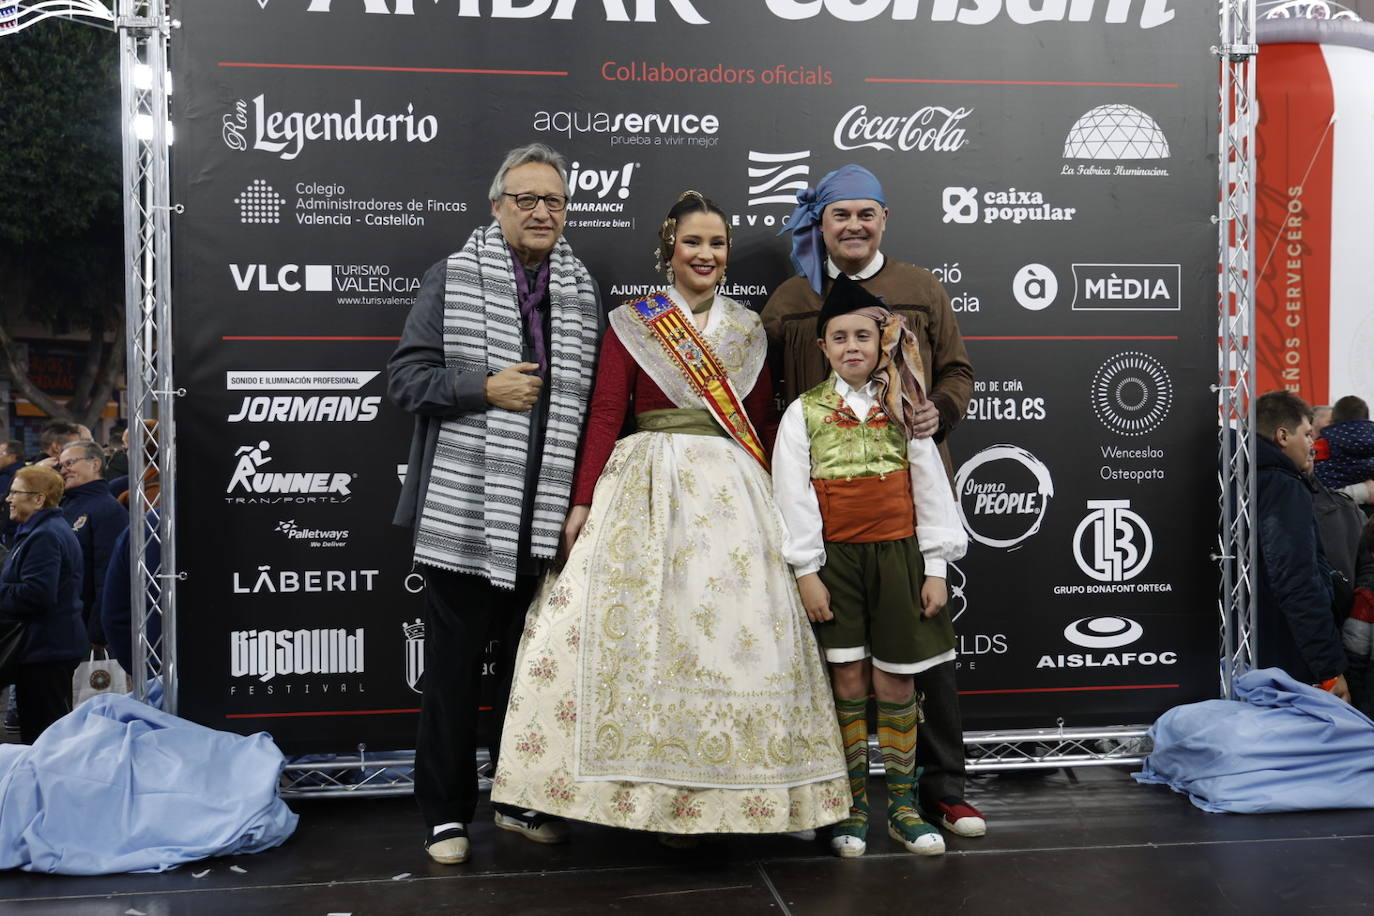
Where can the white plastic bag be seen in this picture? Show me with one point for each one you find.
(95, 676)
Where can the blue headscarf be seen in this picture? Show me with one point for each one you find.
(848, 182)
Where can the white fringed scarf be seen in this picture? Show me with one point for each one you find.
(470, 520)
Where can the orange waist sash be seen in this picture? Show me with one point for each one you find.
(863, 510)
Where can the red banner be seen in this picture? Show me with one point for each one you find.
(1294, 140)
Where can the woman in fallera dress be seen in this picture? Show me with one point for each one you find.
(668, 679)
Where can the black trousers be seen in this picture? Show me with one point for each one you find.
(45, 695)
(462, 614)
(940, 739)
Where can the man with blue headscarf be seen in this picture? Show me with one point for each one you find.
(837, 228)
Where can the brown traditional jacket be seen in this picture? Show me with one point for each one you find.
(798, 364)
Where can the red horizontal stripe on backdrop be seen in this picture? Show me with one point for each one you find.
(274, 337)
(1079, 337)
(901, 79)
(338, 712)
(471, 70)
(1069, 689)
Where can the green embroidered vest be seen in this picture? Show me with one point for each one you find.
(845, 446)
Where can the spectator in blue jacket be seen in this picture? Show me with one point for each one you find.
(116, 603)
(97, 518)
(40, 585)
(1295, 627)
(1345, 451)
(11, 460)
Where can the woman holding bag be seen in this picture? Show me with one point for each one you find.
(40, 586)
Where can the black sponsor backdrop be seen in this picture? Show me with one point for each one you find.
(1003, 97)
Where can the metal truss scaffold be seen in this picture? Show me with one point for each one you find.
(392, 773)
(1236, 340)
(143, 28)
(15, 16)
(363, 775)
(360, 775)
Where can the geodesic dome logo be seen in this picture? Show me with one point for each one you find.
(1116, 132)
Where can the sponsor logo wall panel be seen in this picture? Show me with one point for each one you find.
(1052, 163)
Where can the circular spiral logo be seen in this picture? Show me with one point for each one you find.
(1132, 394)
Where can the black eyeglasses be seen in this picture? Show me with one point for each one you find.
(555, 202)
(23, 493)
(66, 465)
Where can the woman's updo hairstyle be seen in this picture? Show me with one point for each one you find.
(688, 202)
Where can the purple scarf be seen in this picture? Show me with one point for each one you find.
(530, 297)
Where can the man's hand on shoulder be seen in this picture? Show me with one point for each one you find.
(514, 387)
(927, 421)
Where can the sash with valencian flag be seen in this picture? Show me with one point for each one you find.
(685, 347)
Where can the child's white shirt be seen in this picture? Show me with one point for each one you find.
(939, 532)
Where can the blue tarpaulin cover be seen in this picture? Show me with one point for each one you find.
(118, 786)
(1280, 746)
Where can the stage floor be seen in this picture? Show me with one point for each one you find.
(1082, 841)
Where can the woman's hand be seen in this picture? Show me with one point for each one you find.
(934, 595)
(572, 528)
(815, 598)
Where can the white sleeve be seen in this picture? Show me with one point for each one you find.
(1358, 492)
(802, 542)
(939, 532)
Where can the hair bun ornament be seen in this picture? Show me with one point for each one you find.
(691, 193)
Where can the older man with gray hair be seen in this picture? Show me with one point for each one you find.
(98, 520)
(496, 363)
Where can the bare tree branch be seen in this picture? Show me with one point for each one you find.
(17, 365)
(112, 364)
(80, 401)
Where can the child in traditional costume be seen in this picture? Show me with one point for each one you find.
(667, 679)
(870, 527)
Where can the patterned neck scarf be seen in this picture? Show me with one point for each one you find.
(899, 372)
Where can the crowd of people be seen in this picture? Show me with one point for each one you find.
(64, 577)
(1315, 589)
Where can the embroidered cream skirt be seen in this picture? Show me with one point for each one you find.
(668, 679)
